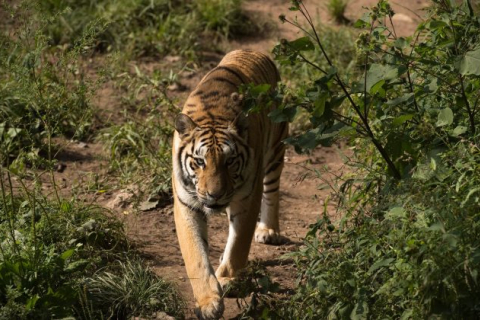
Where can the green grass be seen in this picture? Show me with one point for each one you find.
(43, 93)
(131, 289)
(147, 28)
(139, 149)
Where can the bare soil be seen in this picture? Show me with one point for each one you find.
(301, 199)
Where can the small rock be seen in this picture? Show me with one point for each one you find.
(163, 316)
(188, 74)
(82, 145)
(120, 200)
(61, 167)
(400, 17)
(176, 87)
(172, 58)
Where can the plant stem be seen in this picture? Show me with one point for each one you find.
(469, 109)
(362, 117)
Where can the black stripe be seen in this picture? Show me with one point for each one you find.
(272, 190)
(210, 94)
(196, 210)
(223, 80)
(232, 72)
(183, 179)
(205, 241)
(200, 119)
(274, 166)
(271, 181)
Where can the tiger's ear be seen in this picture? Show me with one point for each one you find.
(240, 125)
(236, 98)
(184, 124)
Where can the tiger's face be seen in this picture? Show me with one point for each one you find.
(212, 162)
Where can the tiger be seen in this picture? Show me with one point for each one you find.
(223, 161)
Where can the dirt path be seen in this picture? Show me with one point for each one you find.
(301, 204)
(301, 200)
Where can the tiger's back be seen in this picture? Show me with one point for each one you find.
(210, 101)
(223, 160)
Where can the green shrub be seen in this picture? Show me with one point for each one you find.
(47, 248)
(408, 244)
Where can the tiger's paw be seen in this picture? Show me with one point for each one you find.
(268, 236)
(209, 308)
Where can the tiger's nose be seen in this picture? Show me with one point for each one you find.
(215, 195)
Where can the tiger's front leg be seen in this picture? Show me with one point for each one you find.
(242, 215)
(192, 235)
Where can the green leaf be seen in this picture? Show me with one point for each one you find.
(459, 130)
(378, 72)
(67, 254)
(261, 88)
(400, 43)
(396, 212)
(360, 311)
(445, 117)
(378, 88)
(30, 305)
(398, 121)
(407, 314)
(286, 114)
(408, 97)
(470, 63)
(379, 264)
(302, 44)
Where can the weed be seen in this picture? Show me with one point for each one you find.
(336, 9)
(133, 290)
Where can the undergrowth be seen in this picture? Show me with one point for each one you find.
(148, 28)
(57, 253)
(408, 243)
(43, 91)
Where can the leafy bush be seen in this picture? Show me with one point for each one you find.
(408, 245)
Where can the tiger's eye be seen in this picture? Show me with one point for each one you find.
(199, 162)
(230, 161)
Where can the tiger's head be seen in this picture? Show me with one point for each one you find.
(212, 161)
